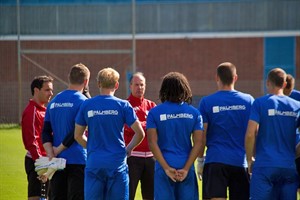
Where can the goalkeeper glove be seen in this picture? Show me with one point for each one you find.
(46, 169)
(200, 166)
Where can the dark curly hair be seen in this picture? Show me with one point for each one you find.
(175, 88)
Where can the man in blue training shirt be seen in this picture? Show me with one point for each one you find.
(170, 127)
(270, 141)
(58, 136)
(225, 116)
(106, 173)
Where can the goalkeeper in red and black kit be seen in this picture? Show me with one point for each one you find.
(141, 162)
(32, 123)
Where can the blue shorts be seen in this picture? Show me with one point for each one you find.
(106, 184)
(273, 183)
(165, 188)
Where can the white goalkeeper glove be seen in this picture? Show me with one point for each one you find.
(200, 165)
(46, 169)
(55, 163)
(41, 161)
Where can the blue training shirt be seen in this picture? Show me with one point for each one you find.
(295, 94)
(175, 124)
(61, 113)
(278, 118)
(105, 117)
(227, 114)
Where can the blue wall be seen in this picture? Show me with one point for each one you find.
(280, 52)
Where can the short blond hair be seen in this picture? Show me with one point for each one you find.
(107, 78)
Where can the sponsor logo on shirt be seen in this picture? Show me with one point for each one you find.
(217, 109)
(273, 112)
(61, 105)
(164, 117)
(92, 113)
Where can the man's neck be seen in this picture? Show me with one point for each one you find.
(276, 91)
(106, 91)
(226, 87)
(36, 100)
(138, 97)
(76, 87)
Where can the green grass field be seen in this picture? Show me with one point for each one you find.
(13, 183)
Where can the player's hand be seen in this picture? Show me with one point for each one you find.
(200, 166)
(128, 152)
(50, 155)
(43, 178)
(47, 175)
(250, 165)
(172, 174)
(46, 169)
(181, 174)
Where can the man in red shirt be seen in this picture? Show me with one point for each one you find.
(141, 161)
(32, 124)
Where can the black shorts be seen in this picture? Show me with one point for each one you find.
(217, 177)
(68, 183)
(141, 169)
(34, 184)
